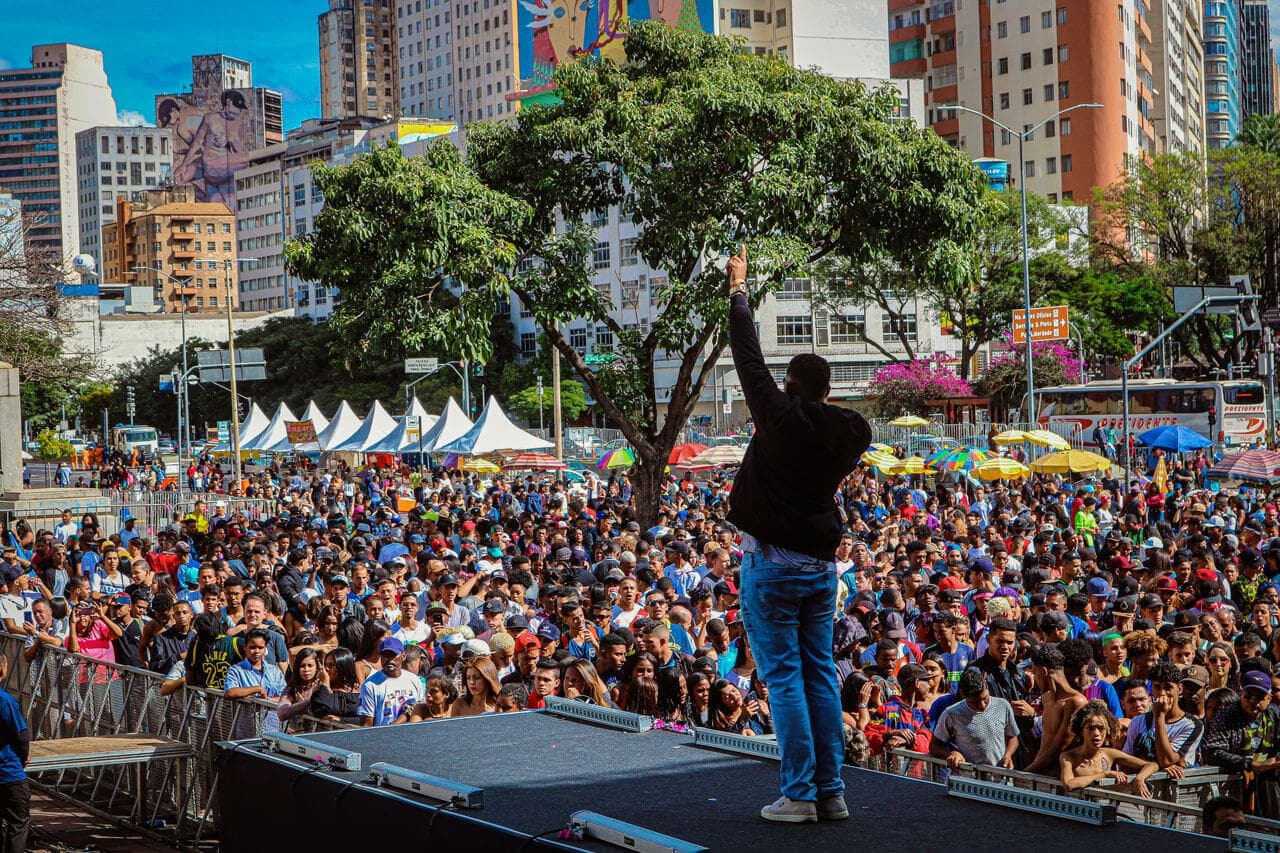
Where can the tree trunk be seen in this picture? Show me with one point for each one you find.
(646, 486)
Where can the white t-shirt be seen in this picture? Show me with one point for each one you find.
(14, 608)
(624, 618)
(62, 532)
(419, 634)
(384, 699)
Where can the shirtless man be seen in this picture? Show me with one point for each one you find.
(1060, 701)
(1092, 760)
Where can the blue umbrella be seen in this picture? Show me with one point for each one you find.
(1176, 439)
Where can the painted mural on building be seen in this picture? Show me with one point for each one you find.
(212, 138)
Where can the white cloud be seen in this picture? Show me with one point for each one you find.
(132, 118)
(5, 64)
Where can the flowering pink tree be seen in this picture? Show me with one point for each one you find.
(1005, 380)
(905, 387)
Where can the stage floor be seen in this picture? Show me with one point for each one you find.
(537, 769)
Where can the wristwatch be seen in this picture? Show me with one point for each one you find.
(736, 288)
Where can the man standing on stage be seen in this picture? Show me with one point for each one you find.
(784, 502)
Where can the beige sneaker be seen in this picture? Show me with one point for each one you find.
(833, 808)
(787, 810)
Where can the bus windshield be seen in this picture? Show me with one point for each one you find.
(139, 436)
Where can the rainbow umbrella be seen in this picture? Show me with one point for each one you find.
(1251, 466)
(623, 457)
(958, 459)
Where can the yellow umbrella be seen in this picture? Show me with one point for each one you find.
(910, 465)
(1010, 436)
(880, 459)
(1071, 461)
(909, 422)
(882, 447)
(1044, 438)
(1001, 468)
(480, 465)
(1161, 476)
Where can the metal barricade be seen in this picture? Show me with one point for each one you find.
(65, 695)
(157, 510)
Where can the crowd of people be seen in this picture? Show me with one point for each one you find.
(979, 624)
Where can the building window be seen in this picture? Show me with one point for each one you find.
(1004, 100)
(849, 329)
(600, 256)
(629, 256)
(1051, 166)
(1026, 61)
(894, 330)
(740, 18)
(1048, 91)
(1064, 90)
(1049, 129)
(1002, 29)
(1030, 167)
(1006, 138)
(1063, 53)
(795, 330)
(1046, 56)
(1024, 24)
(578, 339)
(794, 289)
(528, 344)
(780, 18)
(600, 218)
(1027, 97)
(1066, 166)
(1046, 20)
(1062, 16)
(604, 339)
(1002, 65)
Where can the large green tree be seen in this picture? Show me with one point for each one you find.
(703, 147)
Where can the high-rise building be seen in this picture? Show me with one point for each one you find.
(116, 162)
(1021, 62)
(1223, 58)
(217, 124)
(358, 60)
(846, 40)
(179, 246)
(1177, 73)
(42, 108)
(1255, 78)
(457, 59)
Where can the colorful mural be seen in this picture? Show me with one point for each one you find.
(211, 139)
(552, 32)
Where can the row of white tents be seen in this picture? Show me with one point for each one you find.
(378, 432)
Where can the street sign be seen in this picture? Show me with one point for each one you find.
(421, 365)
(727, 408)
(1185, 298)
(215, 365)
(224, 431)
(412, 427)
(1047, 324)
(600, 358)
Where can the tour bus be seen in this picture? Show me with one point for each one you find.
(1230, 412)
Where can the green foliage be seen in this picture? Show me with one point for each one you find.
(703, 147)
(573, 402)
(51, 447)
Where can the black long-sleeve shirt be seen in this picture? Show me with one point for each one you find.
(784, 494)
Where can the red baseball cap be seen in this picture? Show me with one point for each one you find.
(1169, 584)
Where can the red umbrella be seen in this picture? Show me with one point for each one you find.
(684, 452)
(530, 461)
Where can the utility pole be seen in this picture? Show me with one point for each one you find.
(540, 393)
(557, 424)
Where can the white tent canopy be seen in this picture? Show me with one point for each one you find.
(253, 425)
(377, 426)
(318, 421)
(492, 432)
(275, 432)
(344, 425)
(398, 440)
(452, 424)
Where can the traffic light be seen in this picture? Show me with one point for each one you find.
(479, 370)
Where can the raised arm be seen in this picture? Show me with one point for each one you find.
(758, 385)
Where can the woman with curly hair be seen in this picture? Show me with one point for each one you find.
(1090, 760)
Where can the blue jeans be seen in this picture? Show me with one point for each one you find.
(789, 615)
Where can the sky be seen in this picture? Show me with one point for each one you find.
(147, 45)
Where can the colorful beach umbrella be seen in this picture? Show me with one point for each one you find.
(1174, 438)
(1070, 462)
(1161, 475)
(875, 445)
(1045, 438)
(910, 465)
(715, 457)
(909, 422)
(533, 461)
(684, 452)
(1251, 466)
(480, 465)
(1010, 436)
(623, 457)
(1000, 468)
(957, 459)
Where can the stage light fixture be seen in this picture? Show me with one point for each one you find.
(609, 717)
(1054, 805)
(627, 835)
(338, 759)
(1248, 841)
(760, 747)
(424, 785)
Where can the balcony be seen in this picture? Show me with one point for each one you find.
(183, 253)
(909, 68)
(911, 33)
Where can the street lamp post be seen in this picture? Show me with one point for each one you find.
(236, 469)
(1023, 136)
